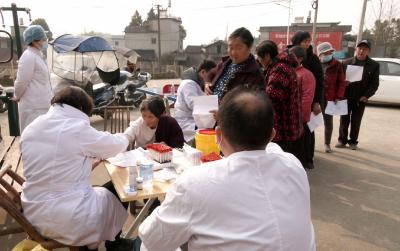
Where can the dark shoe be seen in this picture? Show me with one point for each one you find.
(310, 165)
(353, 146)
(123, 245)
(340, 145)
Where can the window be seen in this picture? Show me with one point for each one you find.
(393, 69)
(116, 43)
(153, 40)
(219, 48)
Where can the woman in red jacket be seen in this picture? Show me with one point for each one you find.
(335, 85)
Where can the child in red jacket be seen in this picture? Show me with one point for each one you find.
(306, 82)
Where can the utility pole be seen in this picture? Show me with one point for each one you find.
(159, 38)
(288, 23)
(314, 28)
(361, 26)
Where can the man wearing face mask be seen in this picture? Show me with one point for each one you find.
(33, 90)
(256, 198)
(334, 86)
(357, 94)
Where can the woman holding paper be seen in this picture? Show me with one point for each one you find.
(335, 86)
(155, 126)
(238, 69)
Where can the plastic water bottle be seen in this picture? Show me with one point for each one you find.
(146, 172)
(132, 177)
(172, 89)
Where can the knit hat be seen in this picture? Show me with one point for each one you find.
(324, 47)
(34, 32)
(300, 36)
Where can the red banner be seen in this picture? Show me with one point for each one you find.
(335, 38)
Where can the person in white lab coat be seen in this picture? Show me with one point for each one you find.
(58, 150)
(33, 90)
(192, 85)
(253, 199)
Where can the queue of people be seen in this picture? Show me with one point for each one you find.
(256, 198)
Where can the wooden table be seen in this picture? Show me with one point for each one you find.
(119, 177)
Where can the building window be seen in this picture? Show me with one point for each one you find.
(153, 40)
(116, 43)
(219, 48)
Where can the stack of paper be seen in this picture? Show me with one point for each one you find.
(338, 108)
(201, 111)
(315, 121)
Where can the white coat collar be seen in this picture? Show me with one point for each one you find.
(247, 154)
(68, 111)
(35, 50)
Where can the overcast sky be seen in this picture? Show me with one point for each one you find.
(203, 20)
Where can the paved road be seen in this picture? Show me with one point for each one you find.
(355, 195)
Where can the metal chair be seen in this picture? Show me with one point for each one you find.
(10, 201)
(117, 117)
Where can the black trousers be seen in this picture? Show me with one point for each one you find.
(352, 119)
(293, 147)
(328, 123)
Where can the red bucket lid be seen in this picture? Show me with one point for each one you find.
(207, 131)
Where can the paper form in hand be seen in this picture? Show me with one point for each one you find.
(354, 73)
(201, 110)
(338, 108)
(315, 121)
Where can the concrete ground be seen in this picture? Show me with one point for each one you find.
(355, 195)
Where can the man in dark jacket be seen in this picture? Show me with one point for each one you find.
(357, 94)
(311, 63)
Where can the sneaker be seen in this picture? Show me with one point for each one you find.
(353, 146)
(340, 145)
(328, 148)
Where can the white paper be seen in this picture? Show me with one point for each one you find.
(165, 174)
(354, 73)
(315, 121)
(128, 158)
(338, 108)
(201, 111)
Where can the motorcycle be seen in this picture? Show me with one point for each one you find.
(92, 64)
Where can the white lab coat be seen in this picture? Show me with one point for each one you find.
(32, 86)
(139, 133)
(57, 153)
(184, 107)
(255, 200)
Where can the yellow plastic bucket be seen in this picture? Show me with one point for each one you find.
(205, 141)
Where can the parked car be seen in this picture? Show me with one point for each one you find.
(389, 82)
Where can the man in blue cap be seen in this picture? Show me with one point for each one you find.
(33, 90)
(357, 94)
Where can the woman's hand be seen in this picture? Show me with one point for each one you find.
(207, 88)
(215, 114)
(14, 99)
(95, 163)
(316, 109)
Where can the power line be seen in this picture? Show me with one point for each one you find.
(243, 5)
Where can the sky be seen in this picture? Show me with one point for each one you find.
(203, 20)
